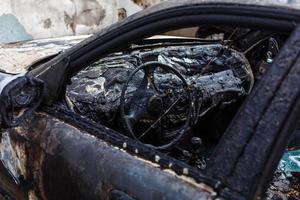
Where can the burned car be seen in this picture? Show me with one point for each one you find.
(124, 115)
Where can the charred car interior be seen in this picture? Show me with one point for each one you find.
(124, 115)
(160, 92)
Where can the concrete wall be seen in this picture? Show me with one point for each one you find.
(32, 19)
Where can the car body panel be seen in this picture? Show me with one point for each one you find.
(68, 163)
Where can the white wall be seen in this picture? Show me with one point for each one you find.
(32, 19)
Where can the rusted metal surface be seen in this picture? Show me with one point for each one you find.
(66, 163)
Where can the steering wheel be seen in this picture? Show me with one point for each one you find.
(147, 101)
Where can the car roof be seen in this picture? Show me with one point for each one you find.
(293, 4)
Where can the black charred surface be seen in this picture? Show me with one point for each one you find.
(77, 165)
(255, 141)
(132, 146)
(20, 95)
(215, 74)
(217, 77)
(96, 91)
